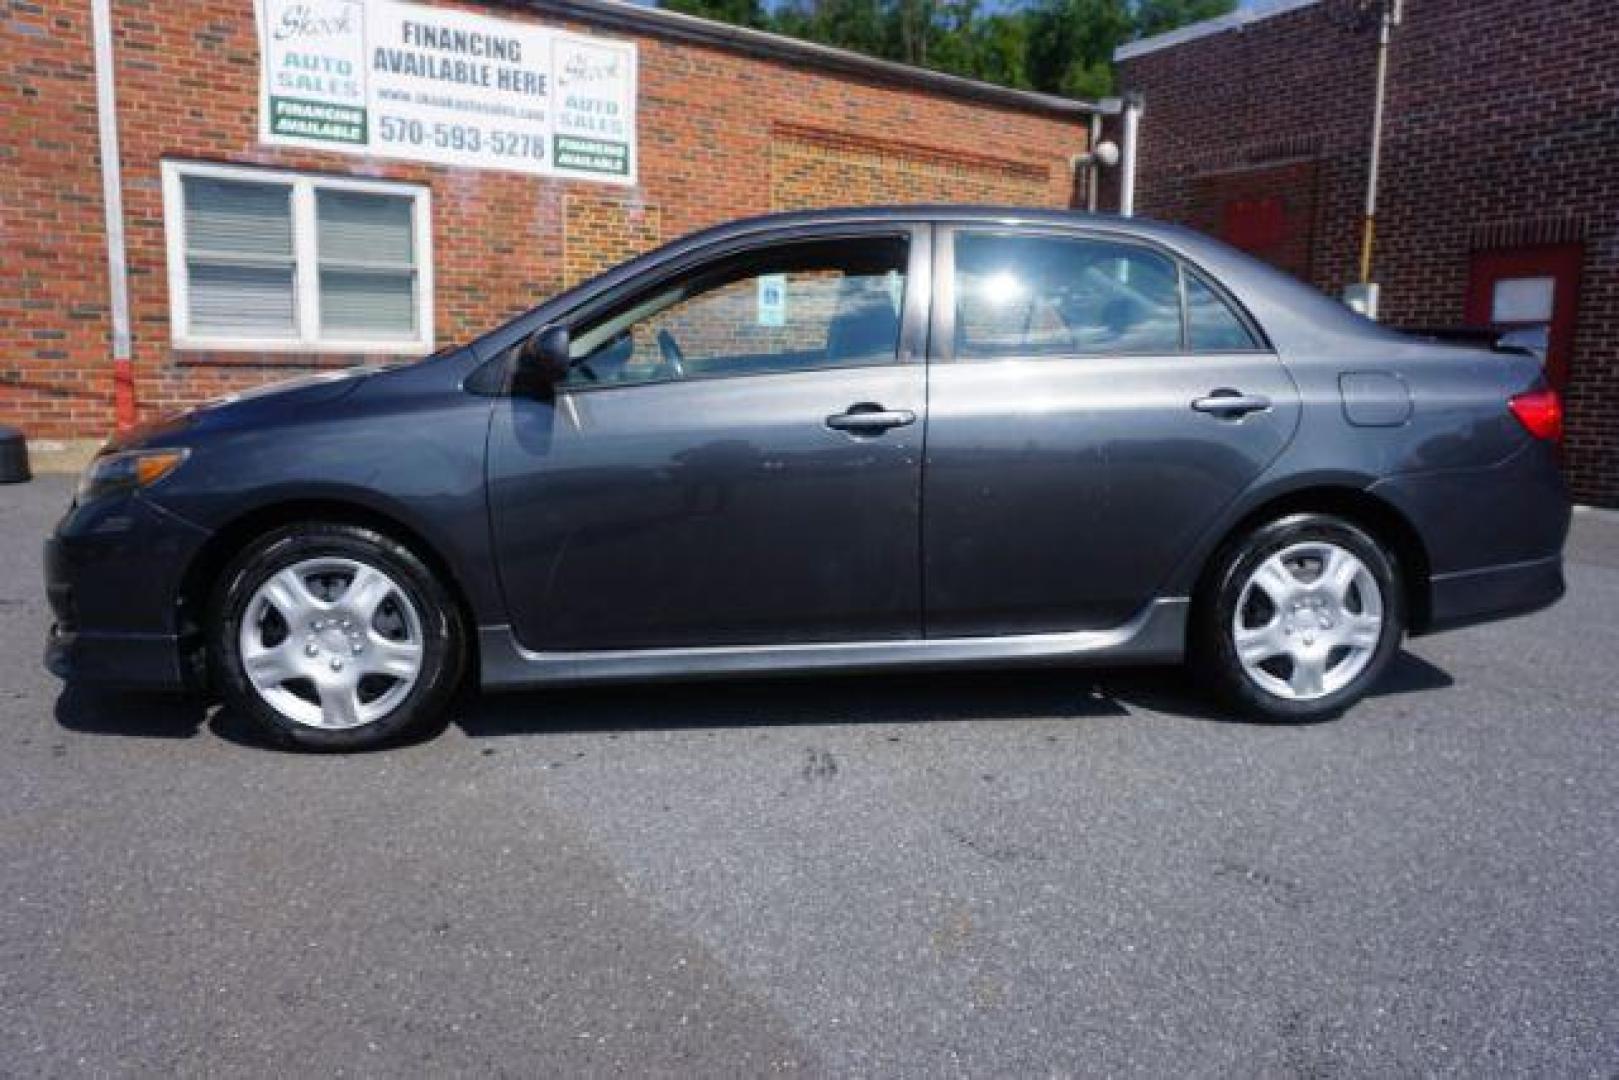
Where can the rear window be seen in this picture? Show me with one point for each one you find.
(1020, 295)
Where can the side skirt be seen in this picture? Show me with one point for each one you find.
(1157, 634)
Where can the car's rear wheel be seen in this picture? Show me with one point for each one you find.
(335, 637)
(1299, 618)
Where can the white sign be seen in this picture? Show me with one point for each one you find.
(772, 300)
(430, 84)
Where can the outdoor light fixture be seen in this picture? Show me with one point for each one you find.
(1106, 155)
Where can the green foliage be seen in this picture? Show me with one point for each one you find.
(1072, 42)
(736, 12)
(1156, 16)
(861, 25)
(1059, 46)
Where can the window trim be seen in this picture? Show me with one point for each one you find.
(912, 344)
(943, 328)
(306, 261)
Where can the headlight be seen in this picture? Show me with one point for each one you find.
(128, 470)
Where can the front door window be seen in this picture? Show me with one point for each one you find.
(790, 307)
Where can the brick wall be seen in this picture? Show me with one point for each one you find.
(53, 270)
(1502, 131)
(722, 135)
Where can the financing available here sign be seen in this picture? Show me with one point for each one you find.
(428, 84)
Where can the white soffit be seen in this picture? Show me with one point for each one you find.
(1236, 20)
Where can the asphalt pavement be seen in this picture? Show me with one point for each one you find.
(1060, 872)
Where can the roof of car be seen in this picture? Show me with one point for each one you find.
(945, 212)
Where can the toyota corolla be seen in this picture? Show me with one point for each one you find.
(834, 441)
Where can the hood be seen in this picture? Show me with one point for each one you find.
(323, 386)
(301, 392)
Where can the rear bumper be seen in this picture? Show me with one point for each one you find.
(1493, 537)
(1494, 592)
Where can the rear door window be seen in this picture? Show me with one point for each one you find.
(1027, 295)
(1035, 295)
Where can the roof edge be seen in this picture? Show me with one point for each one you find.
(632, 17)
(1236, 20)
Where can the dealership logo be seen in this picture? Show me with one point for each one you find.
(301, 22)
(589, 66)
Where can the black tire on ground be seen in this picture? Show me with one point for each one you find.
(420, 712)
(1213, 646)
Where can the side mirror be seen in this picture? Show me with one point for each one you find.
(543, 359)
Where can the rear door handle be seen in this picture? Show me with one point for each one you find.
(1231, 403)
(867, 418)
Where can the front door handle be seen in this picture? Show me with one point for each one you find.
(1231, 403)
(868, 418)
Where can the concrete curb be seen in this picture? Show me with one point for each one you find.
(61, 455)
(1602, 514)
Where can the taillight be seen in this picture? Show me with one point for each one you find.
(1540, 412)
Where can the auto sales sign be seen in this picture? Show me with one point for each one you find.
(425, 84)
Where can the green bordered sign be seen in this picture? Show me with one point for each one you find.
(420, 83)
(317, 120)
(592, 155)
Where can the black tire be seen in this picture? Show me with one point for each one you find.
(1213, 641)
(420, 712)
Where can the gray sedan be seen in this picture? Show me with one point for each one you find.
(837, 440)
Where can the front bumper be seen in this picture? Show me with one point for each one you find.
(113, 576)
(133, 661)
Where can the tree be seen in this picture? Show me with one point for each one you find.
(1059, 46)
(736, 12)
(1071, 45)
(1157, 16)
(851, 24)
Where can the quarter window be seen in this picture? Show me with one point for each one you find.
(1035, 296)
(1211, 325)
(271, 260)
(791, 307)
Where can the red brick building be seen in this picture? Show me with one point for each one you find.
(1499, 185)
(264, 234)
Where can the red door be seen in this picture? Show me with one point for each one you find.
(1531, 292)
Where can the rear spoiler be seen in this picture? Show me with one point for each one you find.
(1478, 337)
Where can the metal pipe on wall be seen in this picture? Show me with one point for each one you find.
(1134, 106)
(112, 198)
(1368, 231)
(1093, 171)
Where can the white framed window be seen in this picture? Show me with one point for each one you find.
(269, 260)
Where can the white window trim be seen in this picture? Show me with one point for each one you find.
(306, 266)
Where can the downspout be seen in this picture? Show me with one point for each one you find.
(1368, 230)
(112, 199)
(1093, 172)
(1134, 106)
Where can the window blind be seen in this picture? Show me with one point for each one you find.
(240, 266)
(367, 264)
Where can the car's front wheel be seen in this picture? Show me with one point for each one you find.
(1299, 618)
(335, 637)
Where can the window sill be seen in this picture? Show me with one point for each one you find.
(292, 354)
